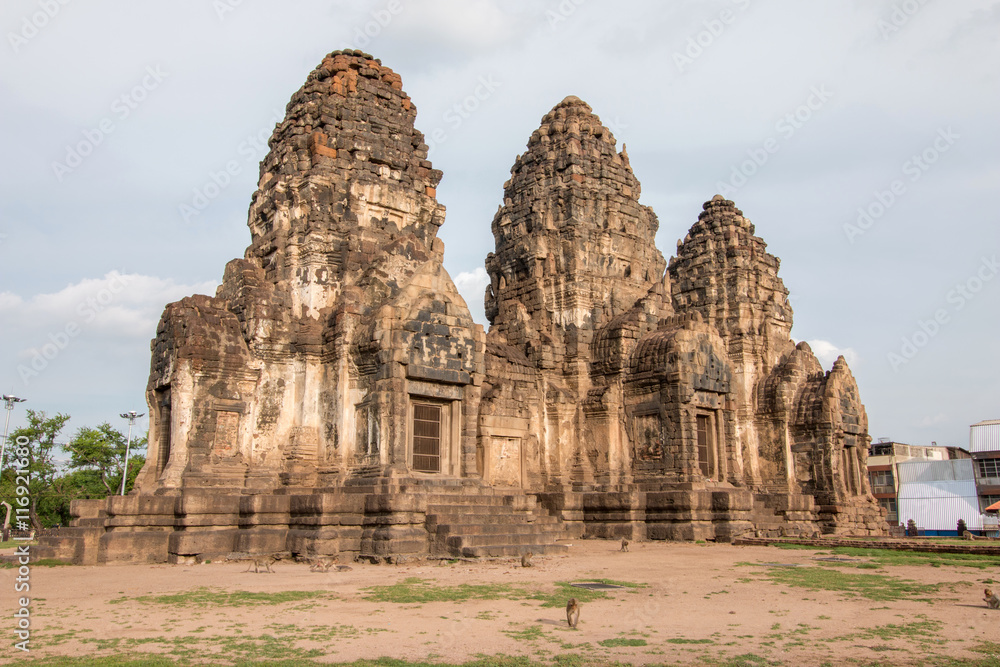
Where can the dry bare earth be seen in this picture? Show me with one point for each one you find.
(702, 603)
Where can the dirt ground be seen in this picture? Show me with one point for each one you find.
(703, 603)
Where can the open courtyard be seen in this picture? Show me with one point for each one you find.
(679, 603)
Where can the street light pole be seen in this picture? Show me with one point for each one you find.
(131, 416)
(10, 400)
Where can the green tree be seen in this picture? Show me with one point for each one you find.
(96, 456)
(47, 492)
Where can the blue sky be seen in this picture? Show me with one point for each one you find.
(859, 137)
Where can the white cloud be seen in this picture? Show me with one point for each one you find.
(472, 286)
(827, 353)
(118, 304)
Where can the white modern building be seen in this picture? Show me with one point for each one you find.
(984, 444)
(936, 494)
(885, 455)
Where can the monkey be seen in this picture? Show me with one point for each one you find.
(624, 544)
(322, 564)
(992, 599)
(572, 612)
(264, 562)
(526, 559)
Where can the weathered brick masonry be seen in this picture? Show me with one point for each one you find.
(335, 394)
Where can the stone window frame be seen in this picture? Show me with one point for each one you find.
(427, 414)
(449, 398)
(716, 445)
(705, 466)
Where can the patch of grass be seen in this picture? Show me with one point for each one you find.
(871, 586)
(415, 590)
(564, 591)
(887, 557)
(918, 629)
(622, 641)
(529, 634)
(207, 596)
(10, 544)
(50, 562)
(745, 660)
(684, 640)
(794, 547)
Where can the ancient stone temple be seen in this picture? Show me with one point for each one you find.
(335, 394)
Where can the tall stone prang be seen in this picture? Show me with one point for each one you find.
(319, 314)
(335, 395)
(574, 250)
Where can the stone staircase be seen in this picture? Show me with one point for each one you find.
(778, 516)
(484, 522)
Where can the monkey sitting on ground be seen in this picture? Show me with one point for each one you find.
(992, 599)
(526, 559)
(624, 544)
(572, 612)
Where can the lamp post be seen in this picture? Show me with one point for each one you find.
(131, 416)
(10, 400)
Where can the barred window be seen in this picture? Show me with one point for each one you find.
(426, 437)
(704, 443)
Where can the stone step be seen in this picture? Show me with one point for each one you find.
(461, 522)
(516, 502)
(525, 541)
(502, 510)
(474, 519)
(470, 529)
(501, 550)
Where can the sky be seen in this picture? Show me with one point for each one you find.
(859, 136)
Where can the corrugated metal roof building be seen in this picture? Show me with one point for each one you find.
(936, 494)
(985, 436)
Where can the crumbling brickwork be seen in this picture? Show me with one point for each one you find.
(336, 395)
